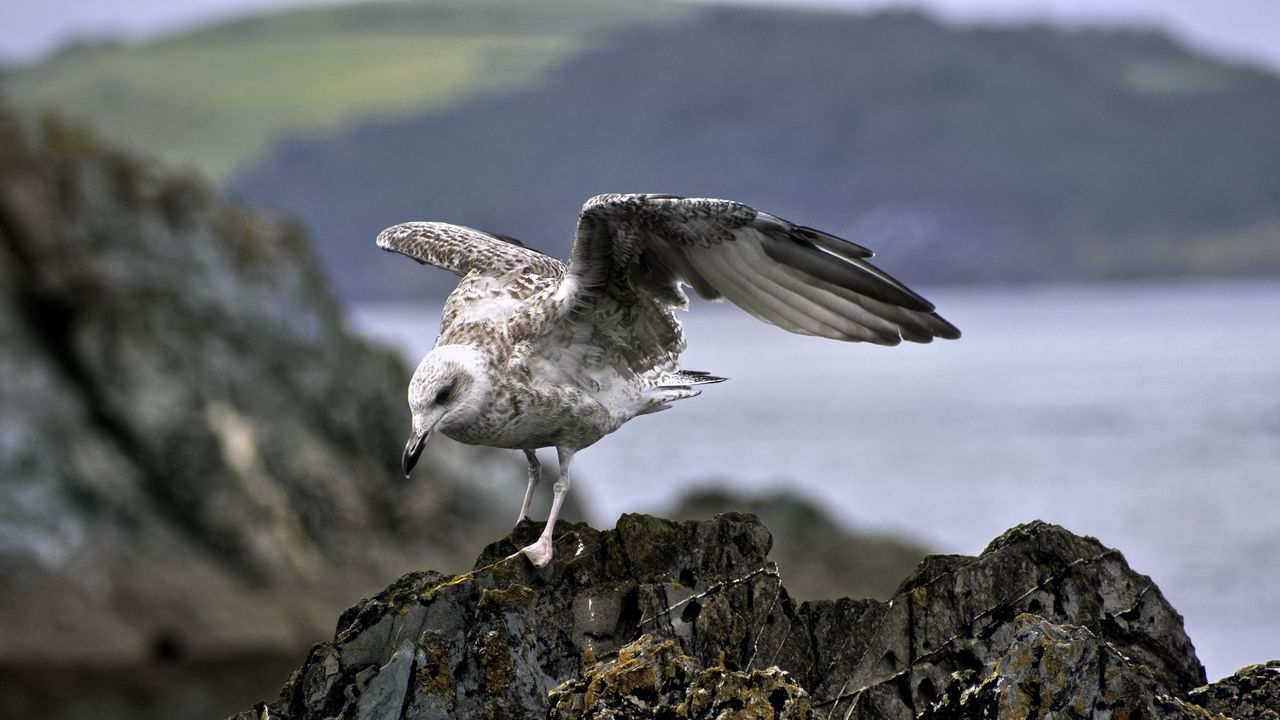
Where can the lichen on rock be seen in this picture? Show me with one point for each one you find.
(665, 619)
(1252, 693)
(651, 679)
(1057, 671)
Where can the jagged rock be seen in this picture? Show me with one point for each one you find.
(651, 680)
(196, 457)
(636, 618)
(955, 613)
(1057, 671)
(1253, 693)
(823, 559)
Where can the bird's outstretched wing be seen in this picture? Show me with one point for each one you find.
(797, 278)
(464, 251)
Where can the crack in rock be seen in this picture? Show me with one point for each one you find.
(583, 637)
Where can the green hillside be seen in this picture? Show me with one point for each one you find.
(961, 154)
(219, 97)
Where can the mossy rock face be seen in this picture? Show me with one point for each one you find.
(669, 619)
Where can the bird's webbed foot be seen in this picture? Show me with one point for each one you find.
(539, 553)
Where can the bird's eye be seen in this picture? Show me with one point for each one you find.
(443, 396)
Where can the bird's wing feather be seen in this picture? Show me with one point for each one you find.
(632, 253)
(463, 251)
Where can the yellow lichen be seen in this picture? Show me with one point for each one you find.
(499, 668)
(508, 597)
(641, 544)
(921, 597)
(742, 696)
(434, 677)
(430, 592)
(508, 569)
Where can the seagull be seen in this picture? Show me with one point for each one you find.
(535, 353)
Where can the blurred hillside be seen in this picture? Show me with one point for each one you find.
(219, 97)
(962, 155)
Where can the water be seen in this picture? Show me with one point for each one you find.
(1147, 416)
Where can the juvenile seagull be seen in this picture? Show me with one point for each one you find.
(533, 353)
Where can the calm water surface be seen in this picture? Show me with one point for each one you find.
(1148, 417)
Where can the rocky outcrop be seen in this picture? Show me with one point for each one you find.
(654, 679)
(1253, 693)
(1057, 671)
(659, 618)
(823, 559)
(196, 457)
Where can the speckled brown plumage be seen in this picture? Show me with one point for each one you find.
(533, 353)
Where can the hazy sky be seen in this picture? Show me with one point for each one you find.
(1243, 29)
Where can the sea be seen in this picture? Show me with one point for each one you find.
(1145, 415)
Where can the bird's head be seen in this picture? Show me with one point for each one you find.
(448, 389)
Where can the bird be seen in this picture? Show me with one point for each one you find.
(535, 353)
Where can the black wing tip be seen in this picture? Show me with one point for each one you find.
(875, 283)
(809, 237)
(832, 243)
(949, 331)
(934, 326)
(906, 297)
(919, 333)
(841, 253)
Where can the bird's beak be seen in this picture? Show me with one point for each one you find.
(412, 450)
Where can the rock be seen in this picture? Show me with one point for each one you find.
(197, 459)
(1057, 671)
(823, 559)
(659, 618)
(651, 680)
(1253, 693)
(955, 614)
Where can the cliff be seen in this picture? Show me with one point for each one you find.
(666, 619)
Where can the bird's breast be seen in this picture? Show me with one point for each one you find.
(534, 415)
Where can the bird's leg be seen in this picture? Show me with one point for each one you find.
(539, 553)
(535, 476)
